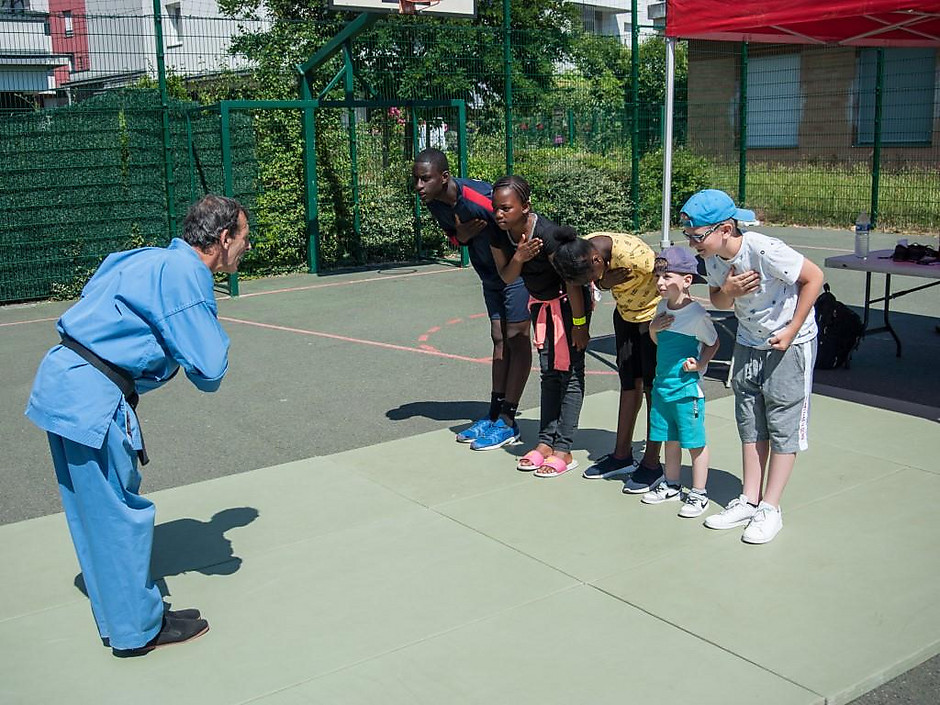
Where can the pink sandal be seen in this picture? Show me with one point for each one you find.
(532, 460)
(555, 466)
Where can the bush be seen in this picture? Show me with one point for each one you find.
(690, 174)
(586, 191)
(387, 224)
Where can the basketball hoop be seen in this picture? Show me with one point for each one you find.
(412, 7)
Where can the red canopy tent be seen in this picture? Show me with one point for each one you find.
(863, 23)
(850, 23)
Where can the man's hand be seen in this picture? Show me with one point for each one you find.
(615, 277)
(783, 338)
(740, 284)
(580, 337)
(467, 231)
(661, 322)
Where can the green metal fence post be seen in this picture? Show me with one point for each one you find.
(227, 174)
(311, 193)
(417, 199)
(507, 79)
(876, 156)
(571, 128)
(191, 149)
(353, 149)
(462, 166)
(635, 102)
(742, 147)
(311, 203)
(165, 111)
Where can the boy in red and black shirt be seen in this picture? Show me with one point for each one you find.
(463, 208)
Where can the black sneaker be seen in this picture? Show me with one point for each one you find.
(173, 631)
(610, 467)
(643, 479)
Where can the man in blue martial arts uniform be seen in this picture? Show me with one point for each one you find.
(143, 315)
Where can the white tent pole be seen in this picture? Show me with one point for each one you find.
(667, 137)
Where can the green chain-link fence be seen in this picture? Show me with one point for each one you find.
(805, 135)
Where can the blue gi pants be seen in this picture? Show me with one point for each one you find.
(112, 530)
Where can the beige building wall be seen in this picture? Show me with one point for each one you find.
(827, 119)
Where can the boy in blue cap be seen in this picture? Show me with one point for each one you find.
(771, 288)
(686, 341)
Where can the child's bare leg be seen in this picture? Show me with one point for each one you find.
(630, 401)
(754, 457)
(673, 462)
(699, 467)
(778, 474)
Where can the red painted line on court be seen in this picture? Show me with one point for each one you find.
(429, 348)
(452, 321)
(347, 339)
(374, 343)
(478, 315)
(435, 329)
(422, 338)
(383, 278)
(33, 320)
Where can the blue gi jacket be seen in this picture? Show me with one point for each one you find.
(148, 311)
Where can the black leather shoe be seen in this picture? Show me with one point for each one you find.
(191, 613)
(173, 631)
(173, 614)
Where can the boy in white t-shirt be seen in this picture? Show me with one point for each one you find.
(686, 341)
(772, 288)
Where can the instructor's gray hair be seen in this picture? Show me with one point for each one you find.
(208, 217)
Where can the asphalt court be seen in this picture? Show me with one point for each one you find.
(385, 365)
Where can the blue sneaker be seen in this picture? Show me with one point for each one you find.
(475, 431)
(498, 435)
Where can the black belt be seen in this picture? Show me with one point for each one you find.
(119, 376)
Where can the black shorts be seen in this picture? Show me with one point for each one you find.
(636, 353)
(510, 304)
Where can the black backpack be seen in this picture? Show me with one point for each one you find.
(840, 332)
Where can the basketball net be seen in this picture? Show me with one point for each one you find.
(411, 7)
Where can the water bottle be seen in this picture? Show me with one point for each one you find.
(862, 233)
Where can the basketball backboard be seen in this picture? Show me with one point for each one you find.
(441, 8)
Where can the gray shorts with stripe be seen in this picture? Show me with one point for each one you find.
(772, 391)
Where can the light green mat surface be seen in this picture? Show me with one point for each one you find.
(417, 571)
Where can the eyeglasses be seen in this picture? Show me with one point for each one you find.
(699, 238)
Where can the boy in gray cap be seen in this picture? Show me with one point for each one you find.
(771, 288)
(686, 341)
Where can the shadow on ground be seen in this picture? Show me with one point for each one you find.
(190, 545)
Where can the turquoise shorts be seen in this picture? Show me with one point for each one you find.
(682, 420)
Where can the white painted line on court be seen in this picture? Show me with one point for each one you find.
(380, 278)
(32, 320)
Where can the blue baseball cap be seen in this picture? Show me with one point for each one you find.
(709, 207)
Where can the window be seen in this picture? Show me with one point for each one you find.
(908, 97)
(67, 22)
(173, 29)
(14, 6)
(774, 103)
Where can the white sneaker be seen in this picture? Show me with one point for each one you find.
(695, 505)
(737, 513)
(662, 492)
(765, 524)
